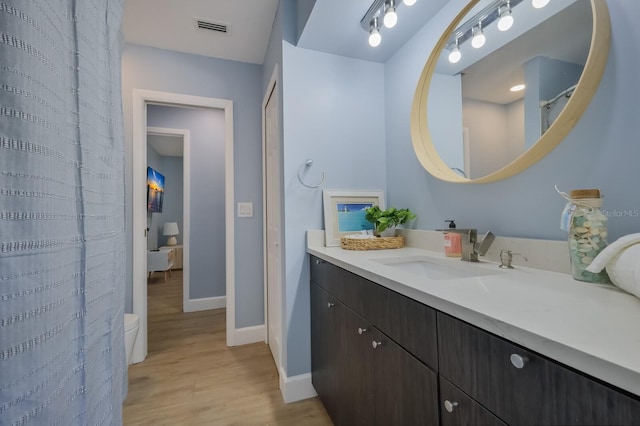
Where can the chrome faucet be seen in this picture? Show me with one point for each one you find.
(471, 247)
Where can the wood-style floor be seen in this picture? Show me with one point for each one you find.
(190, 377)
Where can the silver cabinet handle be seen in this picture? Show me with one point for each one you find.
(362, 330)
(376, 344)
(319, 261)
(518, 361)
(450, 406)
(330, 305)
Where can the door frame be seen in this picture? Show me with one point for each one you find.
(273, 83)
(186, 203)
(138, 191)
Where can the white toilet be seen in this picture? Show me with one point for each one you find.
(131, 323)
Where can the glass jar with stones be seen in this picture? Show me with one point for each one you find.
(587, 234)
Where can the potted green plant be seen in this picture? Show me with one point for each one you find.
(385, 221)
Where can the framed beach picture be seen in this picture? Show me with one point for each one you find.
(344, 212)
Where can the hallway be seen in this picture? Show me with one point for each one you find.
(190, 377)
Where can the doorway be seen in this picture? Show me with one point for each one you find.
(142, 98)
(168, 142)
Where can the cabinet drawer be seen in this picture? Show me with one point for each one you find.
(344, 285)
(530, 390)
(459, 409)
(409, 323)
(324, 274)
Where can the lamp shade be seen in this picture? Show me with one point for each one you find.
(170, 229)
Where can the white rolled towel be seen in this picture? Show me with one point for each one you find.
(622, 260)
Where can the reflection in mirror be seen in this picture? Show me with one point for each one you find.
(478, 124)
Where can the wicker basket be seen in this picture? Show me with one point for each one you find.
(379, 243)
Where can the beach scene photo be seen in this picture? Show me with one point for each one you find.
(351, 217)
(155, 191)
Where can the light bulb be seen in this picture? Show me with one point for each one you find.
(539, 4)
(517, 87)
(390, 17)
(506, 20)
(409, 2)
(455, 55)
(374, 38)
(478, 39)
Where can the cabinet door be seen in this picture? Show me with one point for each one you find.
(406, 391)
(355, 370)
(340, 360)
(458, 409)
(324, 348)
(531, 390)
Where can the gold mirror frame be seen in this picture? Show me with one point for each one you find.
(577, 104)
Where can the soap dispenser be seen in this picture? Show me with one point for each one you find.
(452, 242)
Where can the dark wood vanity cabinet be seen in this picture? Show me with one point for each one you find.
(522, 387)
(362, 376)
(429, 368)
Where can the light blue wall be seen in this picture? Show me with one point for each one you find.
(445, 118)
(173, 197)
(601, 152)
(206, 153)
(162, 70)
(333, 114)
(545, 79)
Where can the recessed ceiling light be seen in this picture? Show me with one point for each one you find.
(517, 87)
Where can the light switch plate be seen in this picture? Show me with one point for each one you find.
(245, 209)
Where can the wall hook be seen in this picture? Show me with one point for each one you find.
(305, 165)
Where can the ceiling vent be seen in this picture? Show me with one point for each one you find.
(212, 26)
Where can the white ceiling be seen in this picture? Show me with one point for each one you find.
(171, 24)
(333, 27)
(166, 145)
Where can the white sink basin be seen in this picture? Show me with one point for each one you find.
(435, 269)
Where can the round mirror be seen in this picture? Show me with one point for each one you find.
(505, 84)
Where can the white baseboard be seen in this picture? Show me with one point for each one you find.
(205, 303)
(296, 388)
(247, 335)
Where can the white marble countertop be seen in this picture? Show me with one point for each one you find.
(592, 328)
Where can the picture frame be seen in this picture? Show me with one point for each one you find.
(344, 212)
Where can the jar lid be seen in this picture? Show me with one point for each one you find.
(585, 193)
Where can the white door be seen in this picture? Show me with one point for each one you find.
(273, 225)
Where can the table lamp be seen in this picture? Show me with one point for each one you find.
(171, 230)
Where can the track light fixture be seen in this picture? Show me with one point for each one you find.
(506, 20)
(390, 16)
(382, 12)
(455, 55)
(496, 11)
(478, 39)
(374, 34)
(539, 4)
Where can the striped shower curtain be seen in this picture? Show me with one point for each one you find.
(62, 240)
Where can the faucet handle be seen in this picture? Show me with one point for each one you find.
(486, 242)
